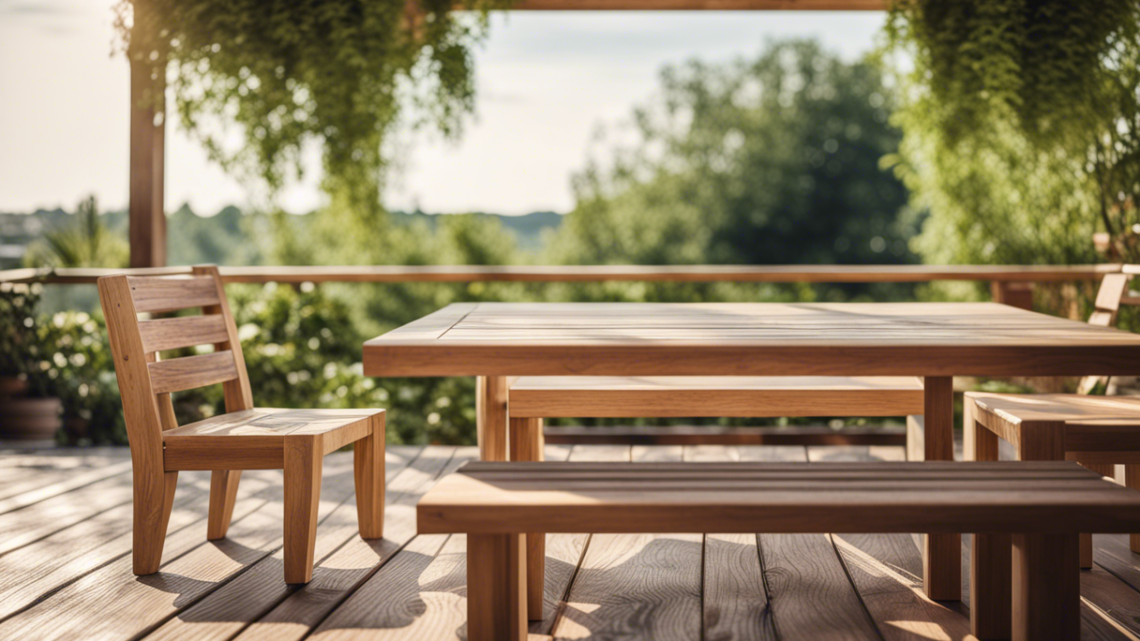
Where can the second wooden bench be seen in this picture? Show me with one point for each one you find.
(1031, 593)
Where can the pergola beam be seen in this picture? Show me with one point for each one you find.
(701, 5)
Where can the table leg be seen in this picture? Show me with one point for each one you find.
(1046, 587)
(942, 570)
(491, 417)
(496, 605)
(527, 445)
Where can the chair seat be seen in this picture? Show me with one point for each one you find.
(255, 439)
(714, 396)
(1053, 408)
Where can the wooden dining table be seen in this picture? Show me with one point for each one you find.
(937, 341)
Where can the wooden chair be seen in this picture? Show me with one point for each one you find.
(244, 438)
(1098, 432)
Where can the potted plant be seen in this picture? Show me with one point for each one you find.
(28, 410)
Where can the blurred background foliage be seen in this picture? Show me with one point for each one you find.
(794, 156)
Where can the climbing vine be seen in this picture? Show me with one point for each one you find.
(341, 73)
(1021, 124)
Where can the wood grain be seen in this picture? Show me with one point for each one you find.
(939, 497)
(664, 396)
(734, 603)
(190, 372)
(162, 334)
(353, 586)
(170, 294)
(259, 592)
(755, 339)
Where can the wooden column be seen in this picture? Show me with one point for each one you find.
(942, 570)
(148, 144)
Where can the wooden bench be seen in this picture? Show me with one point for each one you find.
(531, 399)
(1033, 592)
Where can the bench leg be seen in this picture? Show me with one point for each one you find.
(304, 461)
(1086, 538)
(1046, 587)
(942, 567)
(368, 475)
(496, 587)
(1132, 480)
(527, 445)
(990, 554)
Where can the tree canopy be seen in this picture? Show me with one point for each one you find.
(341, 73)
(770, 160)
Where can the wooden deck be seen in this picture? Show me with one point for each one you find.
(65, 568)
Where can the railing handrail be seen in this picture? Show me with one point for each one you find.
(597, 273)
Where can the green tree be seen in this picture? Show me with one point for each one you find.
(1022, 126)
(764, 161)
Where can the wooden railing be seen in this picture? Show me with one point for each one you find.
(1011, 284)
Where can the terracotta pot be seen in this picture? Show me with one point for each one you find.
(12, 386)
(30, 419)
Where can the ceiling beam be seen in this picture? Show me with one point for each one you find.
(701, 5)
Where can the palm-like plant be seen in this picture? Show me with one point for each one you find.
(86, 242)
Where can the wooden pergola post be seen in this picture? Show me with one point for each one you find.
(148, 146)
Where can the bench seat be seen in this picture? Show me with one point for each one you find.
(1036, 588)
(714, 396)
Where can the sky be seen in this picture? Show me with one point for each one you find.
(547, 83)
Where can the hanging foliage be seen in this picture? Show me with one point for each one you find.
(1021, 125)
(342, 73)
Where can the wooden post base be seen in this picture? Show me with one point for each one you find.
(1046, 587)
(496, 587)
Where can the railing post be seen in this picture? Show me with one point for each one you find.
(1013, 293)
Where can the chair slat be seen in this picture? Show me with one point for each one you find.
(1112, 289)
(172, 294)
(161, 334)
(191, 372)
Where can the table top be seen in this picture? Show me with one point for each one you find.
(930, 496)
(748, 339)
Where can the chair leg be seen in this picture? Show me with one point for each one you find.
(303, 462)
(154, 498)
(1132, 480)
(990, 561)
(496, 588)
(368, 473)
(223, 494)
(1046, 587)
(527, 442)
(1086, 538)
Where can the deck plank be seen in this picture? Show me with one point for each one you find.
(227, 610)
(73, 579)
(645, 586)
(735, 602)
(339, 576)
(886, 570)
(810, 593)
(42, 518)
(112, 603)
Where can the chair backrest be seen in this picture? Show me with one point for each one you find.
(1112, 294)
(145, 380)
